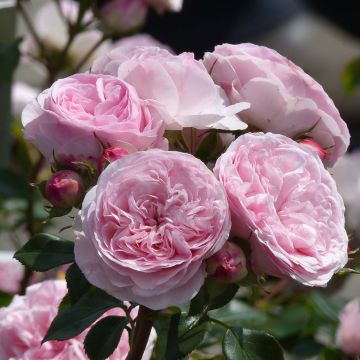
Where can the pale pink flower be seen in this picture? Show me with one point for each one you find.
(284, 201)
(64, 189)
(283, 98)
(348, 335)
(145, 230)
(315, 147)
(24, 323)
(124, 16)
(227, 265)
(80, 114)
(178, 85)
(11, 273)
(140, 40)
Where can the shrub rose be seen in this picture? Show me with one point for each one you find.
(24, 323)
(347, 335)
(149, 224)
(64, 189)
(179, 86)
(281, 195)
(124, 16)
(140, 40)
(109, 155)
(81, 113)
(11, 273)
(284, 99)
(227, 265)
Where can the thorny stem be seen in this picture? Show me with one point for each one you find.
(144, 323)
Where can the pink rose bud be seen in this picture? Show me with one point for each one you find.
(348, 335)
(228, 265)
(64, 189)
(109, 155)
(313, 145)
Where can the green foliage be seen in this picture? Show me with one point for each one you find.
(104, 337)
(179, 334)
(5, 299)
(351, 76)
(212, 295)
(239, 344)
(76, 283)
(44, 252)
(74, 319)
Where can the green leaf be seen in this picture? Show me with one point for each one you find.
(351, 76)
(9, 58)
(212, 295)
(232, 346)
(103, 338)
(323, 306)
(178, 334)
(250, 345)
(73, 320)
(13, 185)
(332, 354)
(44, 252)
(5, 299)
(77, 284)
(240, 314)
(192, 331)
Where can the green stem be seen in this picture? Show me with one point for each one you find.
(144, 323)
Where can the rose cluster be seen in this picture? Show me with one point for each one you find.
(156, 221)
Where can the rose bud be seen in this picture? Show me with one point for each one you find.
(64, 189)
(313, 145)
(109, 155)
(348, 335)
(228, 265)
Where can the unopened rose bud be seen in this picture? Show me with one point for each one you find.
(109, 155)
(64, 189)
(228, 265)
(348, 335)
(313, 145)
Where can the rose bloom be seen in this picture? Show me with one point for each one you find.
(347, 335)
(140, 40)
(282, 198)
(49, 17)
(284, 99)
(11, 273)
(149, 224)
(80, 114)
(24, 323)
(178, 85)
(124, 16)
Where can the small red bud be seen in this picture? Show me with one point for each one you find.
(227, 265)
(315, 147)
(64, 189)
(109, 155)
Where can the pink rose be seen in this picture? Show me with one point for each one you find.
(179, 86)
(24, 323)
(284, 201)
(284, 99)
(347, 335)
(149, 224)
(315, 147)
(227, 265)
(11, 273)
(79, 114)
(140, 40)
(109, 155)
(124, 16)
(64, 189)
